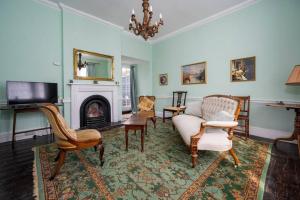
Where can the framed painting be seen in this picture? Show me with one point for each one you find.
(163, 79)
(193, 73)
(242, 69)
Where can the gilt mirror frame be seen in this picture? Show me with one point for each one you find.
(75, 65)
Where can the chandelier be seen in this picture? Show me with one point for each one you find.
(145, 29)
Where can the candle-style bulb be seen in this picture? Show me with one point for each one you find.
(132, 11)
(160, 16)
(150, 8)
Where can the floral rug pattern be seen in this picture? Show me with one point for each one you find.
(162, 171)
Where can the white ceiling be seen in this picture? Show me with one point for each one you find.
(177, 14)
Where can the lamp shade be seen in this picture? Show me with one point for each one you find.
(294, 78)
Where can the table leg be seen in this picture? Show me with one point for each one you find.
(14, 129)
(296, 133)
(126, 138)
(142, 139)
(146, 128)
(299, 144)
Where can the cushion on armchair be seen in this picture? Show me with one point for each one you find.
(146, 104)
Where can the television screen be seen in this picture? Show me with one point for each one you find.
(21, 92)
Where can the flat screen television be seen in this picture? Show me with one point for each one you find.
(21, 92)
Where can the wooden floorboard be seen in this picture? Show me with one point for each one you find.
(16, 181)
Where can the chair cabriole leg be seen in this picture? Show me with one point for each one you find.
(61, 159)
(101, 153)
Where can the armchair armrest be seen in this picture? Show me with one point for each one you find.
(220, 124)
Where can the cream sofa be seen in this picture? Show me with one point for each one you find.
(208, 125)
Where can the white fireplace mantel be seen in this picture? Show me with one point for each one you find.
(79, 92)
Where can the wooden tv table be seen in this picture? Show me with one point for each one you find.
(136, 122)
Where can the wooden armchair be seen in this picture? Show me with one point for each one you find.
(178, 107)
(243, 127)
(213, 131)
(68, 139)
(147, 111)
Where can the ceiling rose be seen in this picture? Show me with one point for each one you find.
(145, 29)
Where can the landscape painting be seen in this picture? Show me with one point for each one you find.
(193, 73)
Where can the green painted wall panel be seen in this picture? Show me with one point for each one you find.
(30, 42)
(268, 30)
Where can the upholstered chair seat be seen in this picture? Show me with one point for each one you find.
(82, 136)
(211, 128)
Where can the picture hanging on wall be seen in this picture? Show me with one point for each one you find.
(193, 73)
(242, 69)
(163, 79)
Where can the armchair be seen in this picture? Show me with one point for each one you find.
(212, 131)
(68, 139)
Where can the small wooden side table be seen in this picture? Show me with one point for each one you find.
(296, 133)
(136, 122)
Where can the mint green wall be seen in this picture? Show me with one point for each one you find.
(30, 42)
(268, 30)
(140, 51)
(33, 36)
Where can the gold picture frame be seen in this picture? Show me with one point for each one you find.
(243, 69)
(78, 60)
(195, 73)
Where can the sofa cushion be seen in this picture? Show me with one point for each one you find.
(212, 105)
(193, 108)
(214, 139)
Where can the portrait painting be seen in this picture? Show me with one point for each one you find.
(193, 73)
(163, 79)
(242, 69)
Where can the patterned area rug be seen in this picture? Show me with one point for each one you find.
(163, 171)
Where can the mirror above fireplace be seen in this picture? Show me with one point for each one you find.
(92, 66)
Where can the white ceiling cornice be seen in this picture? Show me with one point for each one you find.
(84, 14)
(48, 3)
(206, 20)
(60, 6)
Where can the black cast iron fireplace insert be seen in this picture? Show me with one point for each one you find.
(95, 112)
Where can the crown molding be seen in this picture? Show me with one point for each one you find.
(48, 3)
(63, 7)
(84, 14)
(206, 20)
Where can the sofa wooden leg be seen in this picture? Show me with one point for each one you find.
(59, 164)
(194, 153)
(236, 160)
(194, 160)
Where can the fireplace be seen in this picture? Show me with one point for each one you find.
(95, 112)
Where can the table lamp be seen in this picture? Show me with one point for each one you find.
(294, 78)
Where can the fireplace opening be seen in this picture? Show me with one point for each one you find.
(95, 112)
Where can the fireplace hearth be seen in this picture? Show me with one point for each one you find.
(95, 112)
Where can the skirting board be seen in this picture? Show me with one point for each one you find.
(7, 136)
(256, 131)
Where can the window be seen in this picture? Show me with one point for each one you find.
(126, 101)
